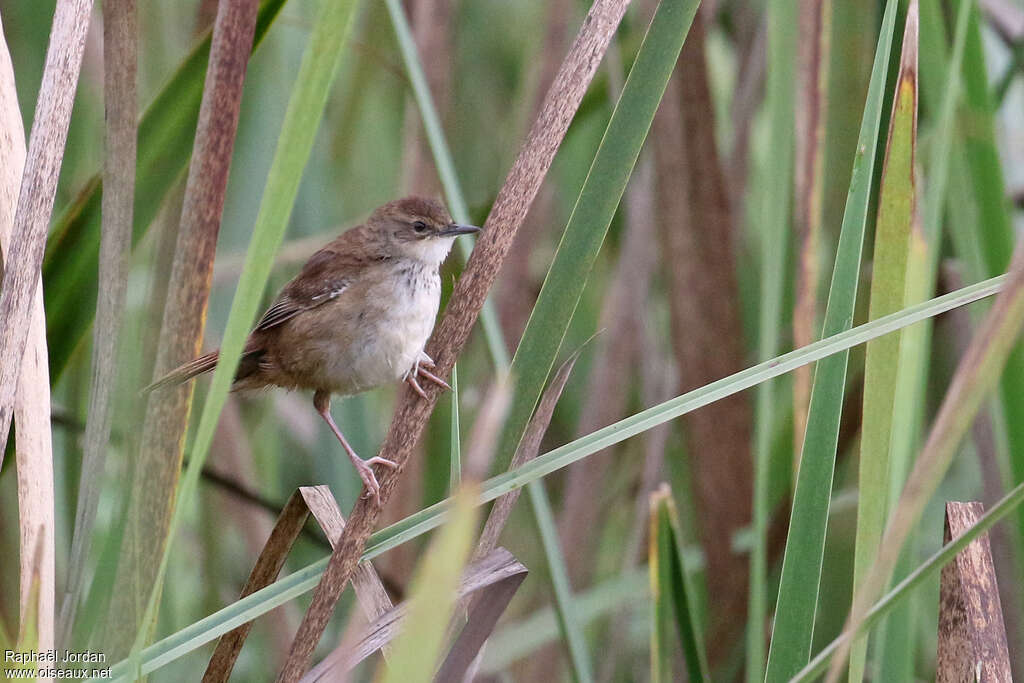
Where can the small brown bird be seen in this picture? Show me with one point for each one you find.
(357, 316)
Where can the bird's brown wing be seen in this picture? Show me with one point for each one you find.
(325, 276)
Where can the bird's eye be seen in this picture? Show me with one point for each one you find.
(419, 226)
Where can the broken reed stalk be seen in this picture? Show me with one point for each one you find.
(159, 463)
(972, 637)
(507, 214)
(35, 201)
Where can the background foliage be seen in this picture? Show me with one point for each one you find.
(720, 255)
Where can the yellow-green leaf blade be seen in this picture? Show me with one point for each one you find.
(432, 596)
(897, 206)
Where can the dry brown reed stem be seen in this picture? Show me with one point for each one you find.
(812, 83)
(32, 399)
(694, 209)
(507, 214)
(120, 58)
(305, 501)
(165, 228)
(159, 462)
(622, 315)
(35, 201)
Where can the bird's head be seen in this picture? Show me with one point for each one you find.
(417, 228)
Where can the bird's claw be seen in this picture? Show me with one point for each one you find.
(410, 377)
(420, 369)
(365, 470)
(435, 379)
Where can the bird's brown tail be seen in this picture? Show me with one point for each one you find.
(182, 374)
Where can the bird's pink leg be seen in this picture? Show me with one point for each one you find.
(322, 402)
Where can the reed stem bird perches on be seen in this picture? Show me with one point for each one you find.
(357, 316)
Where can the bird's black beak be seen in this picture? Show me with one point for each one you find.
(454, 230)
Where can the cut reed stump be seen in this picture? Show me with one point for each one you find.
(972, 638)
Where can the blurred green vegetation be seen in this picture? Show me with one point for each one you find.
(488, 64)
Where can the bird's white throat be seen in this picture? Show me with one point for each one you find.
(432, 250)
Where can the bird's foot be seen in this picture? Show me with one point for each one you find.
(365, 470)
(420, 369)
